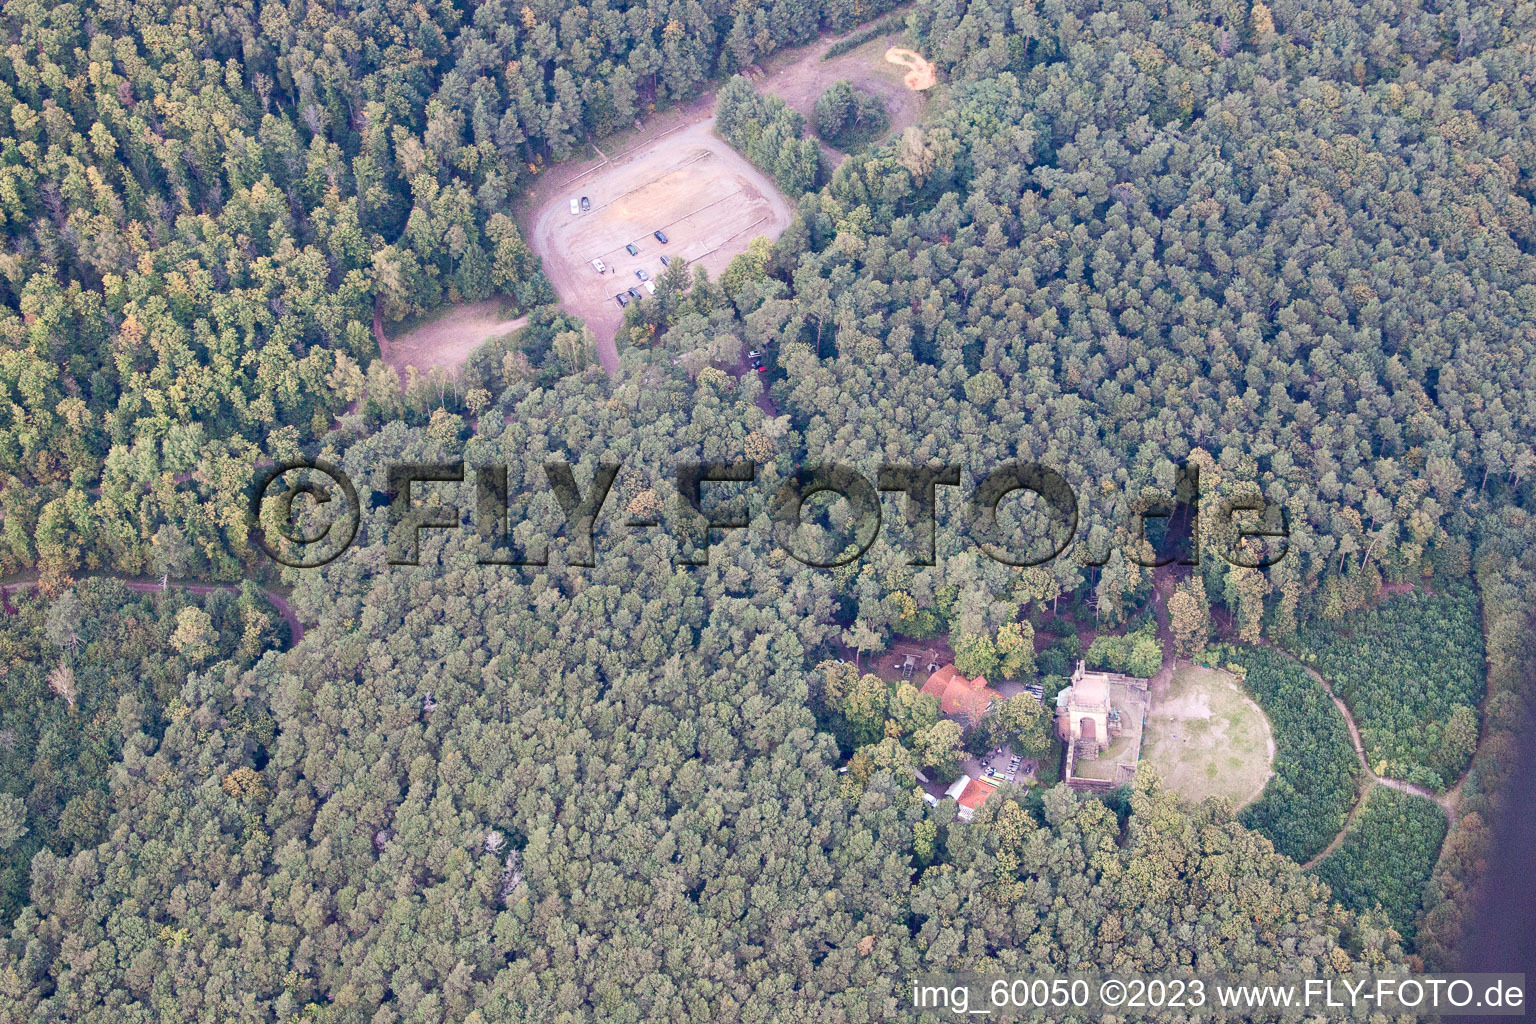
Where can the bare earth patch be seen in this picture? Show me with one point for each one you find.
(921, 76)
(1206, 738)
(801, 84)
(447, 338)
(703, 195)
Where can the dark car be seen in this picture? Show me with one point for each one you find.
(586, 204)
(630, 248)
(634, 295)
(660, 236)
(621, 299)
(666, 262)
(642, 275)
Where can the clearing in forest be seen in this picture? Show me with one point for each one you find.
(690, 185)
(447, 338)
(865, 68)
(565, 242)
(922, 75)
(1207, 738)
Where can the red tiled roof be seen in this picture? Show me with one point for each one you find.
(940, 680)
(958, 695)
(976, 793)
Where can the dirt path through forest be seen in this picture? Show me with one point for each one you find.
(1164, 579)
(149, 586)
(1447, 801)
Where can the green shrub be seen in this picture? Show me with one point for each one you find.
(1134, 654)
(850, 118)
(769, 134)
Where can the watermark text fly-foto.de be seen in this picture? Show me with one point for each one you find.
(1340, 997)
(295, 534)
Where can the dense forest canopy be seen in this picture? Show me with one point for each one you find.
(85, 672)
(620, 807)
(204, 205)
(1387, 856)
(1291, 244)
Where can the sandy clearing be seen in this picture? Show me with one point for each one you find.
(802, 84)
(798, 76)
(446, 339)
(706, 197)
(921, 76)
(1207, 738)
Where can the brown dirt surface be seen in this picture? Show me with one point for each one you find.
(801, 84)
(700, 192)
(446, 339)
(1207, 738)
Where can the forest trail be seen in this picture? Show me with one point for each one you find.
(1164, 579)
(142, 585)
(1361, 792)
(1447, 801)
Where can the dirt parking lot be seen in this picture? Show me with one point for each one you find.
(690, 185)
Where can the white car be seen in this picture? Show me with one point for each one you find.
(575, 206)
(599, 266)
(650, 287)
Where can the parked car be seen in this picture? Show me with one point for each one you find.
(650, 287)
(575, 206)
(634, 295)
(660, 236)
(630, 248)
(642, 275)
(666, 262)
(586, 204)
(621, 299)
(600, 266)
